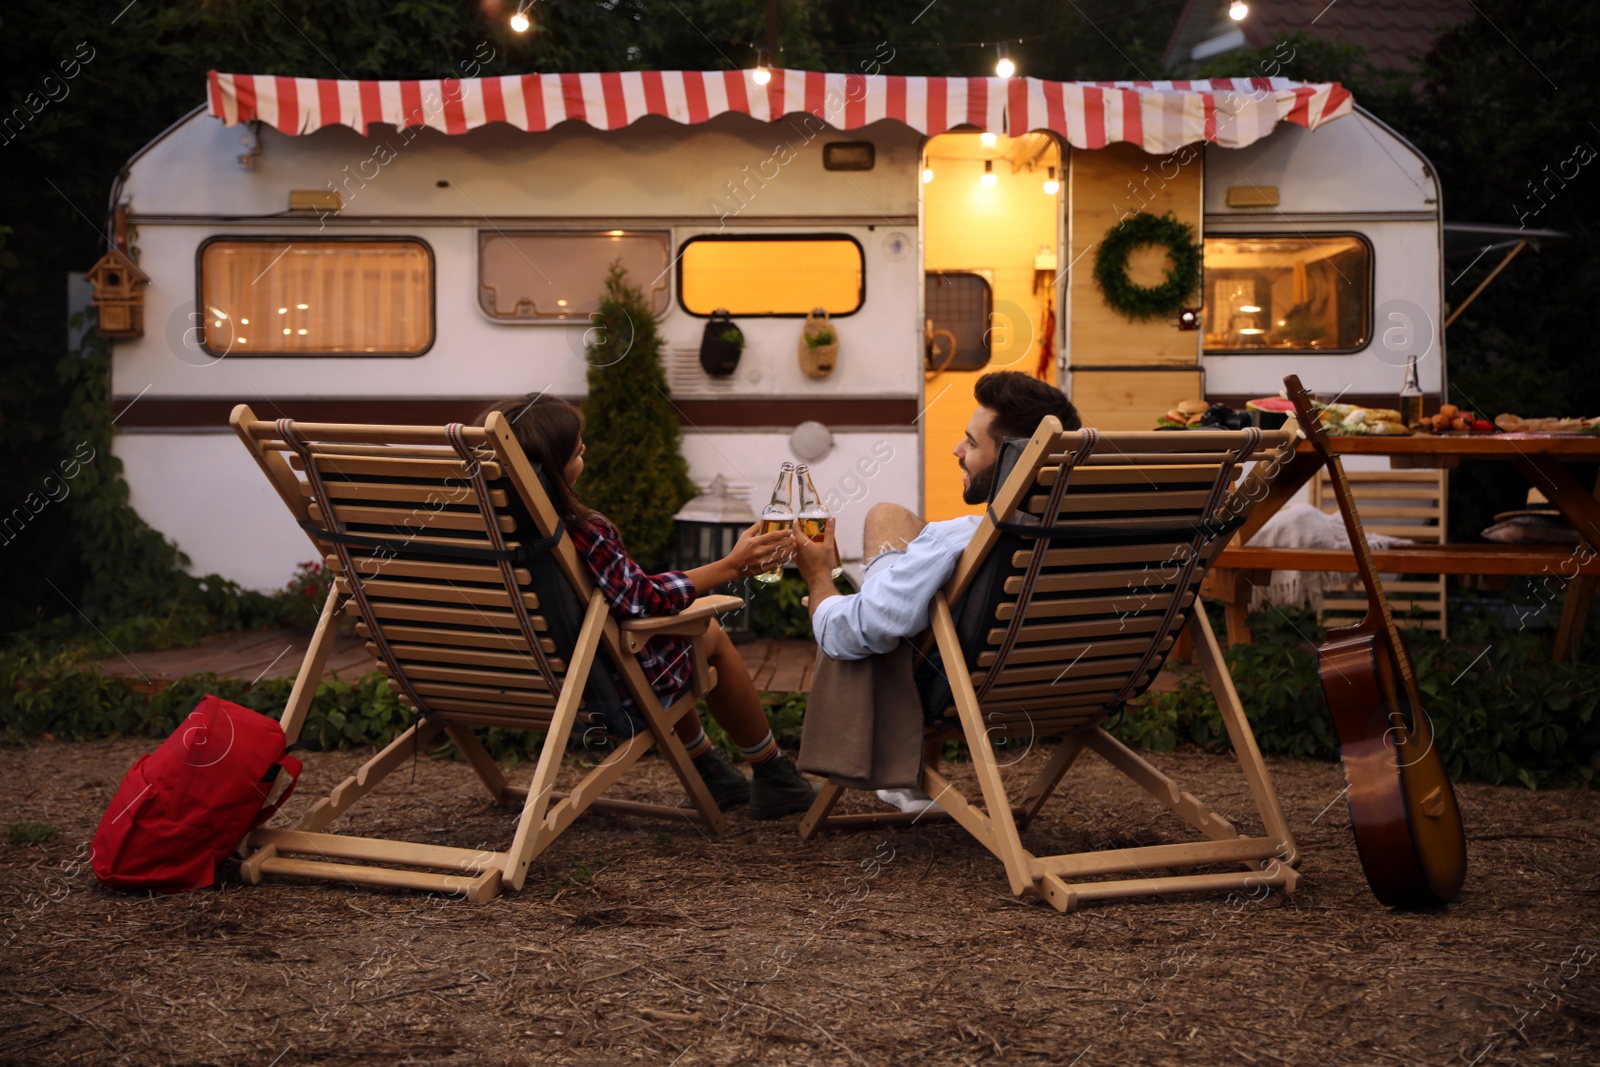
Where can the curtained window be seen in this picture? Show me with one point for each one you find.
(555, 276)
(1311, 293)
(310, 297)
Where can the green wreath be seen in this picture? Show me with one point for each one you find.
(1141, 301)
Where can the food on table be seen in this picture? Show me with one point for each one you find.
(1352, 420)
(1518, 424)
(1183, 415)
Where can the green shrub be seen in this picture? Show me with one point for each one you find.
(1501, 711)
(634, 472)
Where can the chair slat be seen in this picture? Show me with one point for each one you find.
(1095, 477)
(486, 596)
(372, 566)
(414, 518)
(517, 697)
(1064, 654)
(1082, 666)
(440, 469)
(1095, 557)
(1083, 503)
(478, 637)
(415, 494)
(388, 609)
(472, 657)
(1067, 631)
(531, 683)
(1133, 603)
(1077, 582)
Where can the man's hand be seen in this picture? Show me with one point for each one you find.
(815, 560)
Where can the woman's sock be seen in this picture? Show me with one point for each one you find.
(699, 746)
(762, 751)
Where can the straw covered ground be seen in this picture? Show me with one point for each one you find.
(642, 942)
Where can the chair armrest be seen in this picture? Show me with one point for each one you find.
(691, 621)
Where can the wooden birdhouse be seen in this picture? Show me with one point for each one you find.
(118, 295)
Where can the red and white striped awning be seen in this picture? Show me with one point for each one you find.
(1157, 116)
(1163, 116)
(536, 102)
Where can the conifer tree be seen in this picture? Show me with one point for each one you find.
(634, 471)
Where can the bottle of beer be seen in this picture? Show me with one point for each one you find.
(778, 514)
(813, 517)
(1411, 396)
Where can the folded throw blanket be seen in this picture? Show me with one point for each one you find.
(863, 725)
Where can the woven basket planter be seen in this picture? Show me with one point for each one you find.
(819, 345)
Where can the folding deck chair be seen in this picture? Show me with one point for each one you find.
(1061, 610)
(470, 594)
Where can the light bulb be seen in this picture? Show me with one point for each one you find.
(1004, 67)
(520, 23)
(763, 72)
(1051, 186)
(988, 139)
(988, 173)
(927, 175)
(1249, 309)
(1238, 10)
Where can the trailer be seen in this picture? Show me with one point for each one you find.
(405, 251)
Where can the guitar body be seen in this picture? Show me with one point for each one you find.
(1402, 806)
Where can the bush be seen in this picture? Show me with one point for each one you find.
(635, 473)
(1501, 711)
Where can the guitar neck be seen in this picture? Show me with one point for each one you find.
(1377, 601)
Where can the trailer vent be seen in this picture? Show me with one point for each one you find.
(687, 379)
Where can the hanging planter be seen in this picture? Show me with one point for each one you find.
(819, 345)
(721, 345)
(1143, 302)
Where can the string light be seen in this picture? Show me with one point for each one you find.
(519, 22)
(763, 71)
(1238, 10)
(988, 139)
(1004, 67)
(1051, 186)
(989, 177)
(927, 175)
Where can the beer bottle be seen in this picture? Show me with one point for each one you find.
(813, 517)
(1411, 396)
(778, 514)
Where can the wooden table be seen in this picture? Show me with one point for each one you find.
(1544, 459)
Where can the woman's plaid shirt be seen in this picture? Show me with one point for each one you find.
(634, 594)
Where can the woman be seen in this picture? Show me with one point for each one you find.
(550, 431)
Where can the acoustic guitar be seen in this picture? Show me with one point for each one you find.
(1407, 825)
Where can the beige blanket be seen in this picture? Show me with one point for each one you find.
(863, 725)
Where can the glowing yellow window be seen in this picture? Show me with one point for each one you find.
(771, 275)
(1310, 293)
(316, 297)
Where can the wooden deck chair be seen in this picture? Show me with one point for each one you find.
(445, 544)
(1062, 609)
(1403, 503)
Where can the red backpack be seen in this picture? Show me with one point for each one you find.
(185, 806)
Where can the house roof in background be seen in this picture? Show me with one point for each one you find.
(1394, 32)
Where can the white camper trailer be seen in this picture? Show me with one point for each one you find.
(405, 251)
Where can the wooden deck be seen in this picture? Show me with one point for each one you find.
(778, 666)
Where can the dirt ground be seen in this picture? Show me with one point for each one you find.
(638, 941)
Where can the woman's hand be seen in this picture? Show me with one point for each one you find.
(756, 552)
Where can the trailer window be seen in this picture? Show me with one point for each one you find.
(554, 276)
(307, 297)
(772, 275)
(1287, 294)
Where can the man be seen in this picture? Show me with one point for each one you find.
(907, 559)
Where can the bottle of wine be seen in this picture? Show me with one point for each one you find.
(778, 514)
(813, 515)
(1411, 395)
